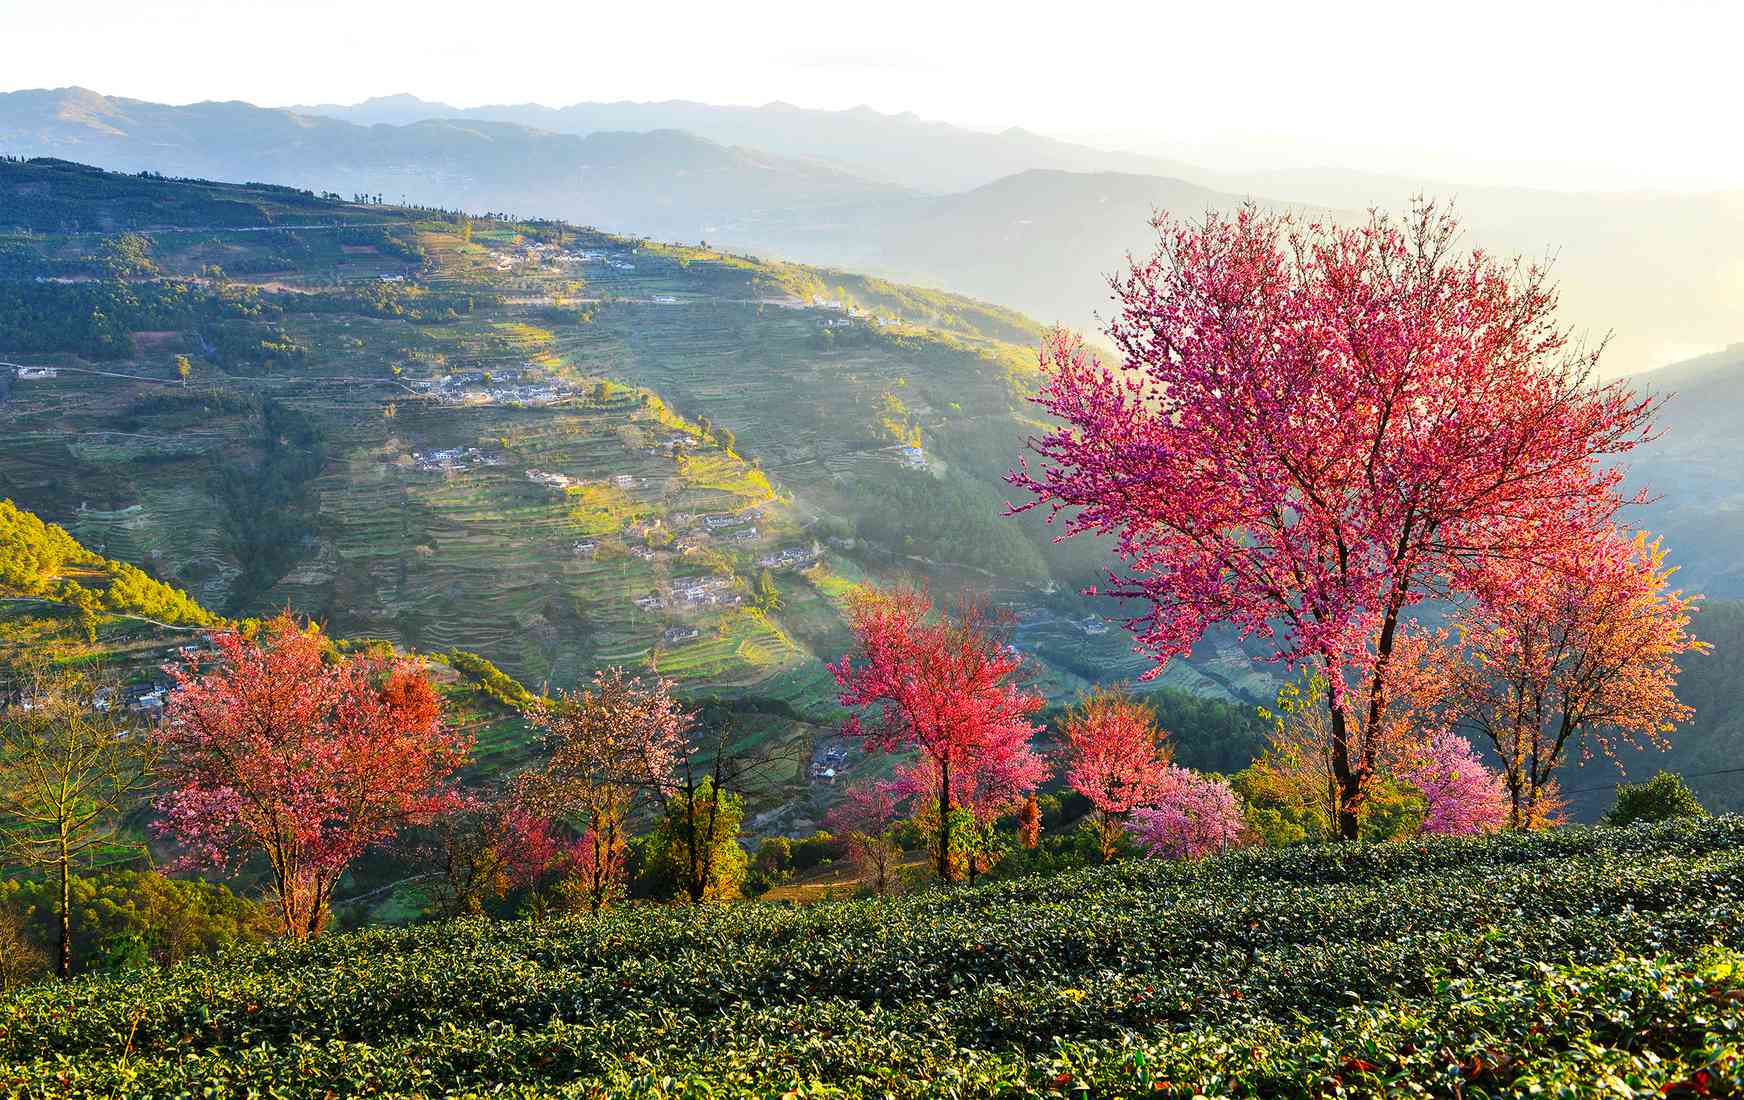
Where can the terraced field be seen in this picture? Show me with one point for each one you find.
(635, 433)
(566, 352)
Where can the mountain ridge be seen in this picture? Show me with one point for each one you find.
(664, 182)
(893, 195)
(953, 158)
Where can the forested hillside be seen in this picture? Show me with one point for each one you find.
(41, 560)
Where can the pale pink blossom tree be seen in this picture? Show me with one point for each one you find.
(1463, 795)
(1190, 815)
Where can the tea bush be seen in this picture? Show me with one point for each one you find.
(1576, 962)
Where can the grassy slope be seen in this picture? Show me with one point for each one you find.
(1580, 962)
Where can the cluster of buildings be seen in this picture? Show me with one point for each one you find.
(706, 591)
(722, 521)
(37, 374)
(792, 557)
(146, 700)
(723, 526)
(546, 394)
(674, 444)
(694, 593)
(529, 252)
(142, 701)
(613, 260)
(525, 386)
(453, 460)
(828, 763)
(549, 479)
(836, 306)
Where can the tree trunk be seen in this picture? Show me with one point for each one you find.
(1344, 775)
(945, 819)
(1107, 834)
(66, 913)
(600, 882)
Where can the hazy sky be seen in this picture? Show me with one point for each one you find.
(1594, 94)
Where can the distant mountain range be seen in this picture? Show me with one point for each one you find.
(664, 183)
(904, 150)
(1695, 471)
(1013, 217)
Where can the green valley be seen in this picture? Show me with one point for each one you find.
(557, 448)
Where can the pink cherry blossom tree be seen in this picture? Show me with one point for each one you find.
(484, 847)
(865, 816)
(1317, 427)
(943, 685)
(615, 742)
(272, 747)
(1116, 757)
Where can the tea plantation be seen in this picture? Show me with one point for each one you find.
(1569, 963)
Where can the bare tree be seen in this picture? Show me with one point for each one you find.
(20, 961)
(72, 764)
(704, 809)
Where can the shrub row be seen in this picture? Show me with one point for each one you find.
(1562, 960)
